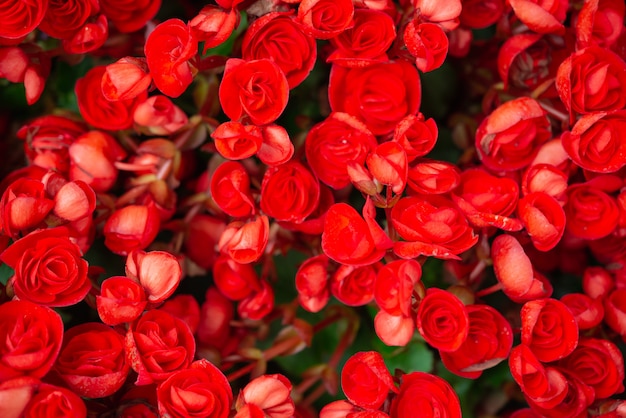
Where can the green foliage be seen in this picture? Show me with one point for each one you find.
(5, 273)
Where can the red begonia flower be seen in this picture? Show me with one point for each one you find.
(366, 42)
(354, 286)
(92, 157)
(158, 272)
(351, 239)
(184, 307)
(213, 25)
(215, 315)
(255, 89)
(49, 401)
(600, 22)
(379, 95)
(431, 226)
(92, 361)
(365, 380)
(543, 218)
(587, 311)
(345, 409)
(245, 242)
(394, 330)
(615, 311)
(131, 228)
(545, 178)
(97, 110)
(488, 343)
(130, 15)
(157, 115)
(508, 139)
(543, 16)
(389, 165)
(168, 49)
(157, 345)
(597, 282)
(201, 239)
(24, 206)
(270, 393)
(416, 135)
(277, 147)
(333, 143)
(427, 393)
(30, 339)
(592, 79)
(279, 37)
(63, 19)
(595, 142)
(325, 19)
(312, 283)
(27, 65)
(237, 141)
(514, 271)
(444, 13)
(480, 14)
(591, 213)
(395, 282)
(236, 281)
(48, 268)
(433, 177)
(126, 79)
(289, 192)
(121, 300)
(206, 391)
(428, 44)
(21, 18)
(257, 304)
(442, 319)
(230, 190)
(549, 329)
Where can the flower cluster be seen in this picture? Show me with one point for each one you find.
(234, 209)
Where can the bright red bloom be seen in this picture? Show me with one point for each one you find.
(543, 16)
(157, 345)
(184, 307)
(237, 141)
(64, 18)
(157, 115)
(380, 95)
(488, 343)
(277, 147)
(22, 17)
(125, 79)
(245, 242)
(365, 380)
(509, 138)
(131, 228)
(394, 286)
(30, 339)
(588, 312)
(389, 166)
(201, 391)
(257, 89)
(354, 286)
(24, 206)
(514, 270)
(592, 79)
(27, 65)
(158, 272)
(350, 239)
(595, 142)
(543, 218)
(597, 282)
(545, 178)
(332, 144)
(121, 299)
(230, 190)
(428, 43)
(548, 329)
(312, 283)
(49, 268)
(278, 37)
(366, 42)
(289, 192)
(92, 361)
(201, 239)
(591, 213)
(53, 401)
(325, 19)
(213, 25)
(416, 135)
(236, 281)
(599, 364)
(130, 15)
(480, 14)
(431, 226)
(433, 177)
(271, 394)
(258, 304)
(615, 311)
(443, 320)
(429, 394)
(215, 315)
(394, 329)
(92, 158)
(168, 49)
(97, 110)
(444, 13)
(600, 22)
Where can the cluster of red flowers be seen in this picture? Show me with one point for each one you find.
(208, 142)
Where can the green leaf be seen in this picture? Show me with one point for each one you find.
(5, 273)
